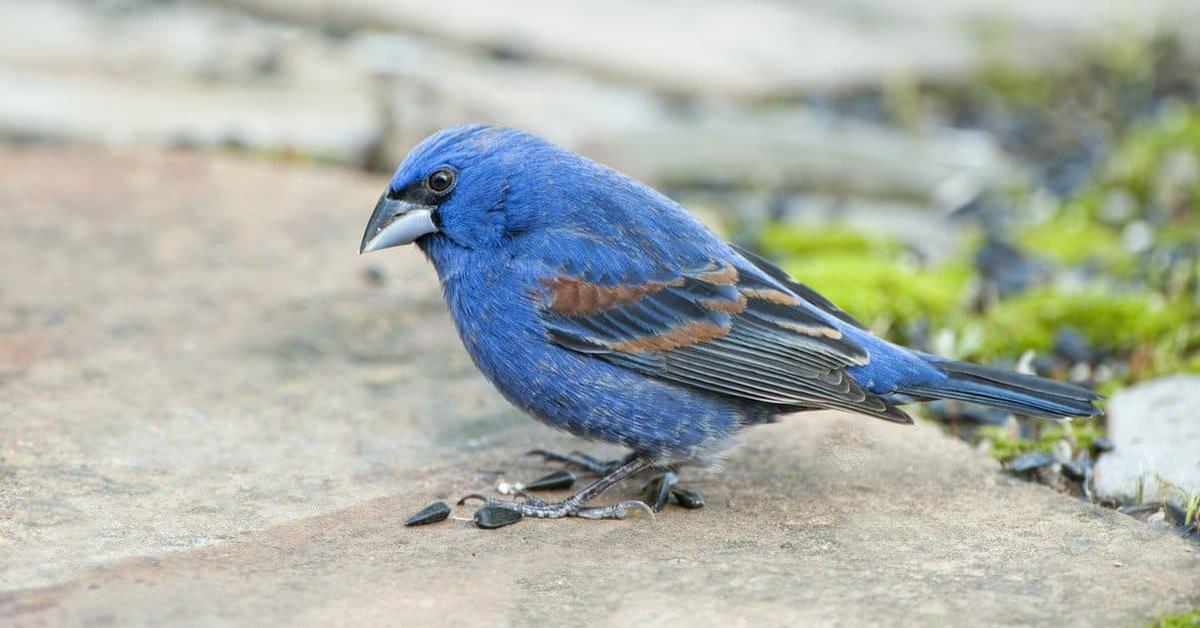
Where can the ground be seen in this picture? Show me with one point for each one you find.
(215, 412)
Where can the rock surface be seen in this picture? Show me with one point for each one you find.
(1155, 429)
(180, 74)
(214, 412)
(759, 49)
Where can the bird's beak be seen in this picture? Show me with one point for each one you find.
(396, 222)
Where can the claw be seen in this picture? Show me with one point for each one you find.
(639, 505)
(494, 509)
(482, 498)
(545, 455)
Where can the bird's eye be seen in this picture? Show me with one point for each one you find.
(440, 181)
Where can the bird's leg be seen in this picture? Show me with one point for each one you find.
(581, 461)
(574, 506)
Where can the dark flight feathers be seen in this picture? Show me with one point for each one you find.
(726, 332)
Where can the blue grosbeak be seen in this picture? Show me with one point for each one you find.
(603, 308)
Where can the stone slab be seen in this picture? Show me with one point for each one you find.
(214, 413)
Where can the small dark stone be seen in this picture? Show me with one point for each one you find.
(1103, 444)
(1029, 462)
(1071, 345)
(1005, 269)
(1138, 511)
(688, 499)
(1175, 514)
(373, 276)
(1074, 471)
(433, 513)
(1043, 366)
(491, 517)
(656, 492)
(559, 479)
(955, 412)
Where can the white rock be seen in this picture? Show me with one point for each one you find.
(1155, 428)
(758, 49)
(203, 75)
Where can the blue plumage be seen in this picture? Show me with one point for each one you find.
(601, 307)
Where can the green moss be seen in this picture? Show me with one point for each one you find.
(1007, 445)
(871, 278)
(1155, 170)
(867, 276)
(1013, 85)
(1137, 163)
(1110, 320)
(886, 294)
(789, 241)
(1156, 166)
(1072, 238)
(1190, 619)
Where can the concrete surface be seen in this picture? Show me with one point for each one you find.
(1156, 433)
(212, 414)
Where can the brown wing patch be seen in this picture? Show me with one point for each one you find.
(725, 275)
(812, 330)
(725, 305)
(689, 334)
(772, 295)
(575, 297)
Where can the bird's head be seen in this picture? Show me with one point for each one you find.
(453, 185)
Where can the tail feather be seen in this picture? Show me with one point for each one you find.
(1006, 390)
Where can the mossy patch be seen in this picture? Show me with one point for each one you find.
(1150, 181)
(1190, 619)
(1006, 444)
(1111, 321)
(873, 278)
(1071, 238)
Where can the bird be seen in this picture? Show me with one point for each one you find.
(599, 306)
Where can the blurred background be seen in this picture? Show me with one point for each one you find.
(1009, 181)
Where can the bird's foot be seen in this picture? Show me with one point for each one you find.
(534, 507)
(575, 505)
(580, 461)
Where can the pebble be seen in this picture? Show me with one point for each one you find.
(1062, 451)
(373, 276)
(1071, 345)
(1030, 462)
(952, 411)
(1074, 471)
(1175, 514)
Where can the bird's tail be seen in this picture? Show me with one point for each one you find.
(1006, 390)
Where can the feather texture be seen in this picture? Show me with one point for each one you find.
(715, 329)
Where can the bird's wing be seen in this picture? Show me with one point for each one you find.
(801, 290)
(741, 334)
